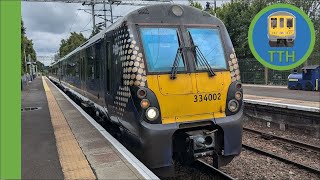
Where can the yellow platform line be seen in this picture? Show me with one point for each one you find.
(73, 162)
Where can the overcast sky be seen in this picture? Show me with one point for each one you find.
(48, 23)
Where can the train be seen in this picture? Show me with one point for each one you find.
(167, 78)
(281, 29)
(308, 79)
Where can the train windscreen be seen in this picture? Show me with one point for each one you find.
(281, 22)
(273, 22)
(289, 22)
(161, 46)
(210, 45)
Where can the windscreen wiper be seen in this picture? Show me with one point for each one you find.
(199, 57)
(176, 60)
(176, 63)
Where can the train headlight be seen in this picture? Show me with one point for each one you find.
(238, 95)
(145, 103)
(233, 105)
(152, 113)
(177, 10)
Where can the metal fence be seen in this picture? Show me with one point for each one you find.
(252, 72)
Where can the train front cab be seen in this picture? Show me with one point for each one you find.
(281, 29)
(295, 81)
(191, 105)
(188, 130)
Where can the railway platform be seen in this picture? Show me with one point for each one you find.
(282, 108)
(61, 141)
(280, 96)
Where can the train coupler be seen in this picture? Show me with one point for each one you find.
(201, 140)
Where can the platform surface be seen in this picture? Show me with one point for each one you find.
(39, 155)
(281, 92)
(280, 95)
(77, 148)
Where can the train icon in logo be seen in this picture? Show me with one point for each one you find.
(281, 29)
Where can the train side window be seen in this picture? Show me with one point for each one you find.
(97, 60)
(281, 22)
(273, 22)
(77, 66)
(108, 72)
(82, 68)
(289, 22)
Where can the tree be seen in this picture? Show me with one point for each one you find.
(26, 48)
(94, 32)
(312, 9)
(195, 4)
(68, 45)
(23, 29)
(237, 17)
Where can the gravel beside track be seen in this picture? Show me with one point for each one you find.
(285, 150)
(296, 143)
(291, 134)
(198, 170)
(250, 165)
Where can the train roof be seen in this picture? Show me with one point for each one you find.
(157, 13)
(281, 13)
(311, 67)
(90, 41)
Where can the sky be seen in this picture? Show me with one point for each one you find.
(47, 23)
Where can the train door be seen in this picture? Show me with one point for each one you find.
(83, 73)
(108, 67)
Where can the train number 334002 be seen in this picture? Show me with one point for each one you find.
(207, 97)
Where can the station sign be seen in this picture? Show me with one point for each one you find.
(281, 37)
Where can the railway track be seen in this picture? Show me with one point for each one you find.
(272, 155)
(286, 140)
(199, 169)
(207, 168)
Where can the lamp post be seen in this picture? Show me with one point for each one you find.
(25, 60)
(31, 67)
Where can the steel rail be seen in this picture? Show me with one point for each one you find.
(287, 140)
(207, 168)
(266, 153)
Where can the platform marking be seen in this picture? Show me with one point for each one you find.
(73, 162)
(264, 86)
(278, 102)
(140, 167)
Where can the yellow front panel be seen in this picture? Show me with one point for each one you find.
(179, 105)
(180, 85)
(284, 31)
(205, 82)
